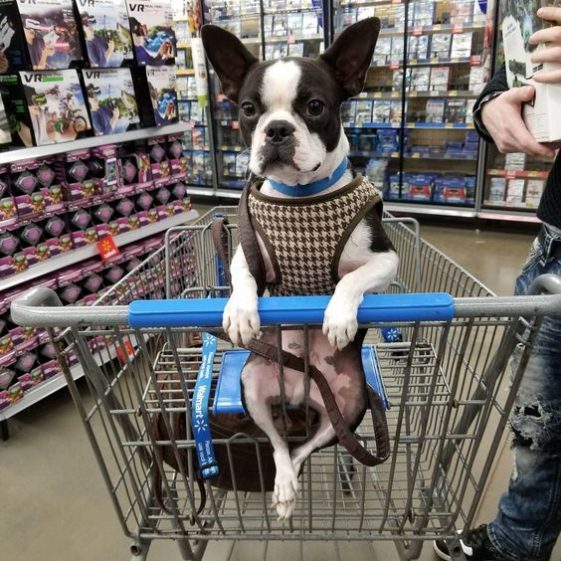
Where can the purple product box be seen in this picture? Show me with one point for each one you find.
(4, 400)
(37, 375)
(24, 338)
(153, 215)
(88, 300)
(50, 369)
(143, 219)
(70, 293)
(69, 275)
(25, 381)
(26, 362)
(153, 244)
(15, 393)
(102, 231)
(84, 237)
(134, 221)
(8, 211)
(163, 212)
(124, 225)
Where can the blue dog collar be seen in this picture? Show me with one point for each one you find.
(312, 188)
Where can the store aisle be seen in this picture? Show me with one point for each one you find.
(53, 501)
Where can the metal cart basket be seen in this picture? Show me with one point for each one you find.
(442, 365)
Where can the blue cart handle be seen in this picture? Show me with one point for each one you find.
(291, 310)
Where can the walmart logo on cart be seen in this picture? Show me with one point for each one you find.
(200, 423)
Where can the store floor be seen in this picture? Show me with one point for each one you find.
(53, 503)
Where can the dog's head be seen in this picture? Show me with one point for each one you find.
(289, 109)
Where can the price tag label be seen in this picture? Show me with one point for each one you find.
(417, 31)
(509, 174)
(291, 40)
(107, 248)
(458, 28)
(475, 60)
(235, 125)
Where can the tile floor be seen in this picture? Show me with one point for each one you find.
(53, 503)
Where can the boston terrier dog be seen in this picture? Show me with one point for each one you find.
(318, 227)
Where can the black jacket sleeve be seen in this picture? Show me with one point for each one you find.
(497, 84)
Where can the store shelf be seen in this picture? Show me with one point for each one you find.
(200, 191)
(433, 29)
(77, 255)
(433, 210)
(526, 174)
(397, 125)
(524, 215)
(395, 64)
(186, 72)
(13, 156)
(41, 391)
(284, 39)
(461, 94)
(412, 156)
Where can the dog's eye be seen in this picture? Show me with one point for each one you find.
(315, 107)
(248, 109)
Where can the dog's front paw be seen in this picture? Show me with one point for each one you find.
(339, 322)
(285, 492)
(241, 320)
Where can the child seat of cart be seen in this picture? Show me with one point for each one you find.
(228, 396)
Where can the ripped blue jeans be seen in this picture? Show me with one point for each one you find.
(529, 518)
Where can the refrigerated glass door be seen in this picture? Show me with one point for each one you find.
(244, 19)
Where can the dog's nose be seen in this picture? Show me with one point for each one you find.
(278, 131)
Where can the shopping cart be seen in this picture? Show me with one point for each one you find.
(440, 366)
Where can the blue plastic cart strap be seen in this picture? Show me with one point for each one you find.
(199, 411)
(297, 310)
(228, 396)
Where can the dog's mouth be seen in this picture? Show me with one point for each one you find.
(276, 156)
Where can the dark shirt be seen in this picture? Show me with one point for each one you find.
(96, 51)
(101, 120)
(549, 209)
(36, 49)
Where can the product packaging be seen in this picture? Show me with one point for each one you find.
(153, 35)
(163, 94)
(13, 97)
(111, 100)
(519, 23)
(56, 106)
(51, 33)
(105, 30)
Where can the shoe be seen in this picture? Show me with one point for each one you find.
(475, 545)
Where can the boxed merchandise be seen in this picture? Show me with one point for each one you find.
(229, 161)
(348, 113)
(383, 52)
(440, 46)
(56, 105)
(12, 39)
(435, 110)
(396, 112)
(418, 47)
(534, 190)
(105, 29)
(279, 25)
(461, 45)
(163, 95)
(295, 49)
(420, 79)
(153, 35)
(111, 100)
(516, 161)
(51, 33)
(419, 187)
(456, 111)
(396, 54)
(476, 79)
(294, 23)
(35, 188)
(461, 12)
(421, 13)
(310, 24)
(242, 164)
(497, 191)
(8, 212)
(74, 175)
(381, 111)
(5, 134)
(449, 189)
(515, 192)
(395, 189)
(520, 22)
(363, 114)
(439, 78)
(15, 104)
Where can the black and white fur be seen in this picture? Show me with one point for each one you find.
(289, 113)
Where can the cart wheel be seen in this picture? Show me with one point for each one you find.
(347, 471)
(138, 552)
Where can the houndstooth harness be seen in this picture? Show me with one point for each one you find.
(305, 237)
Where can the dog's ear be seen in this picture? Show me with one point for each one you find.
(229, 58)
(350, 54)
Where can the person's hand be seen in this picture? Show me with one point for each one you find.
(502, 117)
(115, 114)
(551, 36)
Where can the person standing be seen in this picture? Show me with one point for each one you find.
(528, 521)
